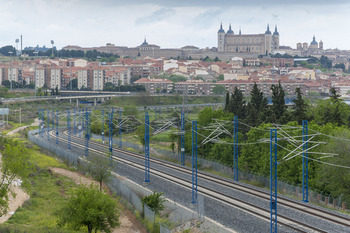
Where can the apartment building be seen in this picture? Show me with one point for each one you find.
(55, 78)
(194, 87)
(84, 78)
(156, 85)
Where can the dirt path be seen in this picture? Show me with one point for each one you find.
(36, 123)
(14, 203)
(129, 223)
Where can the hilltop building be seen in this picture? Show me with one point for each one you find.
(314, 47)
(264, 43)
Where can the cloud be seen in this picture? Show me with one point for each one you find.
(156, 16)
(205, 19)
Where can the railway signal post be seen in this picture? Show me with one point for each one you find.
(305, 162)
(273, 180)
(235, 148)
(194, 162)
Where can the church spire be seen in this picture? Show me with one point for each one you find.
(268, 30)
(240, 32)
(221, 30)
(276, 32)
(230, 29)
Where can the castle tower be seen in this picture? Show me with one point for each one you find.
(299, 46)
(320, 45)
(230, 31)
(276, 39)
(268, 41)
(221, 39)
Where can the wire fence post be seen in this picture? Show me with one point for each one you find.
(57, 127)
(194, 162)
(103, 126)
(120, 129)
(273, 180)
(87, 132)
(235, 148)
(48, 124)
(183, 157)
(69, 129)
(305, 162)
(147, 178)
(110, 137)
(160, 111)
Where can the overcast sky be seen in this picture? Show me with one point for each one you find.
(170, 23)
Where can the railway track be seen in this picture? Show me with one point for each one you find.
(245, 206)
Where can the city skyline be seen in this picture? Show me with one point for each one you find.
(169, 24)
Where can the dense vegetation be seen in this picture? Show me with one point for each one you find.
(329, 119)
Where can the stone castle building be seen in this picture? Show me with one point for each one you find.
(263, 44)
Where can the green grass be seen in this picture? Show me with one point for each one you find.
(48, 193)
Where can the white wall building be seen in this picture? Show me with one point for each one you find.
(55, 78)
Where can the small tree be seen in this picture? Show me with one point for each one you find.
(154, 201)
(90, 208)
(100, 169)
(14, 164)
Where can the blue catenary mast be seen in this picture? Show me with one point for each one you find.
(235, 148)
(69, 129)
(52, 119)
(147, 176)
(305, 162)
(48, 124)
(183, 157)
(194, 162)
(120, 129)
(75, 122)
(110, 137)
(273, 180)
(57, 127)
(80, 122)
(87, 132)
(103, 125)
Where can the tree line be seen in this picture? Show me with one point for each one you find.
(330, 117)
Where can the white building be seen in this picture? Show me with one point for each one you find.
(97, 79)
(40, 77)
(83, 78)
(55, 78)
